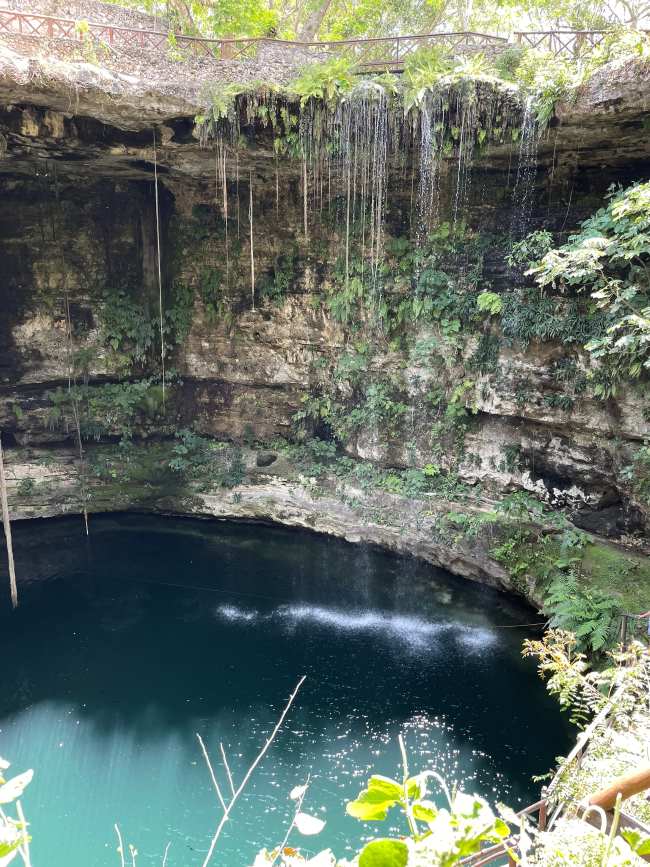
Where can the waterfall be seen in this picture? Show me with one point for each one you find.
(523, 193)
(351, 142)
(353, 139)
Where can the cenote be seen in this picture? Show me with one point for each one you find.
(128, 643)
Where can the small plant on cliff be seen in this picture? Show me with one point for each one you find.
(610, 259)
(127, 328)
(530, 249)
(324, 81)
(638, 472)
(198, 458)
(489, 302)
(591, 614)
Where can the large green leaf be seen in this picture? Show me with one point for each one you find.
(374, 802)
(384, 853)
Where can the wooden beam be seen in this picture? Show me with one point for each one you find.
(7, 527)
(627, 786)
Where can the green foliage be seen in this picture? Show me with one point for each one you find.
(445, 835)
(489, 302)
(127, 328)
(379, 409)
(554, 562)
(26, 487)
(375, 408)
(232, 18)
(527, 316)
(424, 67)
(609, 259)
(618, 45)
(638, 472)
(589, 613)
(324, 81)
(281, 277)
(550, 78)
(198, 458)
(384, 853)
(530, 249)
(507, 62)
(114, 409)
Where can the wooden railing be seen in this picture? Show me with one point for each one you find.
(381, 53)
(388, 52)
(502, 850)
(565, 42)
(548, 808)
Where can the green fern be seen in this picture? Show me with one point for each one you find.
(586, 611)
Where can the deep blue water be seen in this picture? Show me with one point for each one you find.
(127, 644)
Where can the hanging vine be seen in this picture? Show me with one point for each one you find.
(160, 298)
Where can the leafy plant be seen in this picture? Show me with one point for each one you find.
(324, 81)
(609, 259)
(423, 69)
(489, 302)
(199, 458)
(530, 249)
(589, 613)
(113, 409)
(127, 328)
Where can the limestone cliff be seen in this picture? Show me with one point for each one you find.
(80, 304)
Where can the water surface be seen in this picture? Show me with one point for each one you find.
(127, 644)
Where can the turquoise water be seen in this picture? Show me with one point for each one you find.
(129, 643)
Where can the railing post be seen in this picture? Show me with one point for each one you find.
(543, 816)
(577, 45)
(624, 630)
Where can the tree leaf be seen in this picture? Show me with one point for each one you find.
(307, 824)
(426, 811)
(374, 802)
(384, 853)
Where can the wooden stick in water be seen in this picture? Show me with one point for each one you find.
(7, 526)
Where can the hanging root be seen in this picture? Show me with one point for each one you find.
(160, 301)
(250, 219)
(75, 412)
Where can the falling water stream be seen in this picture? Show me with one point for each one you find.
(523, 193)
(128, 643)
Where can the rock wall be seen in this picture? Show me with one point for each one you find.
(80, 302)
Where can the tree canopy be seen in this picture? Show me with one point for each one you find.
(344, 19)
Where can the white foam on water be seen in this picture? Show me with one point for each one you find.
(410, 630)
(232, 612)
(475, 638)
